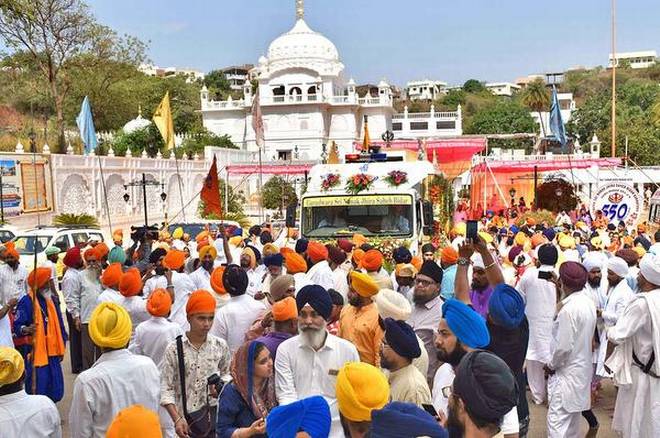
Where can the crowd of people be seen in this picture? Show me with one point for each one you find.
(234, 334)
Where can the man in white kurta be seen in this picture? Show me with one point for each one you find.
(321, 274)
(23, 415)
(233, 320)
(618, 297)
(570, 365)
(634, 362)
(540, 295)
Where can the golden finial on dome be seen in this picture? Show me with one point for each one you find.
(300, 9)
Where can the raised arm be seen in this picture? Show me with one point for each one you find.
(462, 282)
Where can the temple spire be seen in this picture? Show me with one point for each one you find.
(300, 9)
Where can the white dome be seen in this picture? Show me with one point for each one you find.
(136, 124)
(302, 42)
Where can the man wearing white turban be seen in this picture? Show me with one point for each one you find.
(635, 362)
(619, 295)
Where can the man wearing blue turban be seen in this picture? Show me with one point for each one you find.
(310, 415)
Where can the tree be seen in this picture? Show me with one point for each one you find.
(473, 86)
(64, 40)
(277, 193)
(217, 83)
(537, 98)
(504, 116)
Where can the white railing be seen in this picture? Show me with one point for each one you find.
(223, 104)
(372, 101)
(448, 115)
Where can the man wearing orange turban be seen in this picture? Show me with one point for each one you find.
(135, 422)
(110, 279)
(356, 258)
(448, 259)
(285, 324)
(154, 335)
(358, 323)
(209, 354)
(358, 240)
(102, 250)
(295, 263)
(43, 322)
(12, 286)
(319, 271)
(174, 259)
(130, 286)
(372, 262)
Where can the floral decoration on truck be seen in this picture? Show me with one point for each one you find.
(396, 177)
(329, 181)
(359, 182)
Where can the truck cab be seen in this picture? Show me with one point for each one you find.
(383, 211)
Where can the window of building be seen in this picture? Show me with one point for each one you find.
(397, 126)
(284, 155)
(419, 126)
(445, 124)
(278, 91)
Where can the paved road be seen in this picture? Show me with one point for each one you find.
(603, 410)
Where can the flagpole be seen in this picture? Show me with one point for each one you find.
(35, 302)
(614, 62)
(178, 177)
(261, 188)
(105, 195)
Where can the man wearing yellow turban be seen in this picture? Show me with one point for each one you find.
(23, 415)
(358, 322)
(117, 380)
(361, 388)
(201, 277)
(43, 323)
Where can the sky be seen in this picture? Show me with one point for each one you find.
(395, 40)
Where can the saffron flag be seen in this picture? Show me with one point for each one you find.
(85, 123)
(556, 122)
(367, 140)
(257, 120)
(210, 194)
(163, 121)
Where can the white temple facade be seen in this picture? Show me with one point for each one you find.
(305, 101)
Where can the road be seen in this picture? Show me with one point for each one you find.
(603, 409)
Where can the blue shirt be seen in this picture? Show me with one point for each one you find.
(447, 285)
(233, 413)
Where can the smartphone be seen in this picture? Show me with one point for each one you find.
(471, 230)
(430, 409)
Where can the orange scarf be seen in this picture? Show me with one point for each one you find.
(49, 343)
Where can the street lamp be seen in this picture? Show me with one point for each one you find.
(144, 183)
(512, 193)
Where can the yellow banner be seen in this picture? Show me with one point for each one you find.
(343, 201)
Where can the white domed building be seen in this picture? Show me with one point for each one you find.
(305, 100)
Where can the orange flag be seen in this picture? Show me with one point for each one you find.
(210, 194)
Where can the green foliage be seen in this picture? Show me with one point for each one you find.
(218, 85)
(148, 139)
(536, 96)
(504, 116)
(451, 100)
(201, 138)
(473, 86)
(67, 219)
(277, 193)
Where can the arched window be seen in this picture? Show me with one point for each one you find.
(295, 91)
(278, 91)
(311, 90)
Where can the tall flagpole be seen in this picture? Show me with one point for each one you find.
(614, 62)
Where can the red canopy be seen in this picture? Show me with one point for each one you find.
(556, 163)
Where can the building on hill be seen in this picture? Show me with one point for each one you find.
(306, 102)
(238, 75)
(425, 89)
(502, 88)
(192, 75)
(641, 59)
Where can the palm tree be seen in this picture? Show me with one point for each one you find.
(537, 98)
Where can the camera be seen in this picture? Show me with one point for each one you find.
(140, 234)
(216, 381)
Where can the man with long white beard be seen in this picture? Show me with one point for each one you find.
(308, 364)
(635, 362)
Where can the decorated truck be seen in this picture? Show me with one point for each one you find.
(379, 196)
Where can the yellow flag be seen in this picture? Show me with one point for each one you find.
(163, 120)
(366, 141)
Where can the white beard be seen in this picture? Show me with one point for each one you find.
(313, 338)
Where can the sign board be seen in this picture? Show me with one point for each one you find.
(341, 201)
(618, 201)
(26, 185)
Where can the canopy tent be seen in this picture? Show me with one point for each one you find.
(491, 181)
(453, 155)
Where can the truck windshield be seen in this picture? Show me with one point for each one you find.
(371, 215)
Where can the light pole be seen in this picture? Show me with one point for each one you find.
(144, 183)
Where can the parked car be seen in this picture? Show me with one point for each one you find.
(7, 233)
(37, 239)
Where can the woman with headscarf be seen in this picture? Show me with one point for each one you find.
(245, 402)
